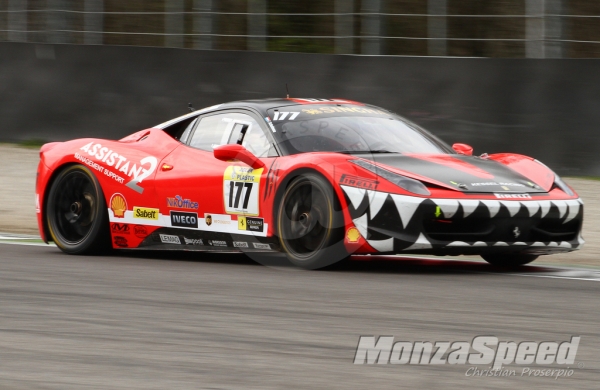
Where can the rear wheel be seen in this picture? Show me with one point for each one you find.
(509, 260)
(76, 212)
(310, 223)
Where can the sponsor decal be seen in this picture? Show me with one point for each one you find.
(169, 239)
(140, 231)
(240, 189)
(121, 242)
(118, 205)
(285, 115)
(120, 228)
(488, 351)
(493, 183)
(268, 120)
(258, 245)
(355, 181)
(145, 213)
(324, 101)
(333, 110)
(240, 244)
(37, 203)
(512, 196)
(183, 219)
(193, 241)
(136, 171)
(251, 224)
(352, 234)
(217, 219)
(179, 202)
(217, 243)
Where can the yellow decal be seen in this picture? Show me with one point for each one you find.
(353, 234)
(145, 213)
(118, 205)
(241, 223)
(241, 186)
(438, 211)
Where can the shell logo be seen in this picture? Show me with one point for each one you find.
(118, 205)
(352, 235)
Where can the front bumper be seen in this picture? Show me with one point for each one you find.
(393, 223)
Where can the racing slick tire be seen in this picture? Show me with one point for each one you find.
(76, 213)
(509, 259)
(310, 223)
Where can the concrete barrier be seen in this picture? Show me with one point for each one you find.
(548, 109)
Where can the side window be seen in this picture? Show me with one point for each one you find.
(187, 131)
(257, 142)
(231, 128)
(181, 129)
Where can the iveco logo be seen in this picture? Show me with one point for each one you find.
(516, 232)
(181, 219)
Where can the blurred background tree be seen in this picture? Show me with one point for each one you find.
(471, 28)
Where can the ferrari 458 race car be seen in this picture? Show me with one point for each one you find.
(317, 179)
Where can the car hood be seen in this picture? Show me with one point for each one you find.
(461, 173)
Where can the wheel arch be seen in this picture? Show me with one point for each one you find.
(49, 184)
(339, 201)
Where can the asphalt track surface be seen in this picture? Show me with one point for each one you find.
(188, 321)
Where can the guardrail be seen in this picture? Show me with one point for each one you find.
(523, 28)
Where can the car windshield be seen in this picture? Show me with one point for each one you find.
(365, 130)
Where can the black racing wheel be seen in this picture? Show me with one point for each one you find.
(76, 212)
(509, 259)
(310, 223)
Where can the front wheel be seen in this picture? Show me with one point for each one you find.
(76, 212)
(508, 259)
(310, 223)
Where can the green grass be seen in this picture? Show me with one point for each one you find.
(27, 144)
(32, 143)
(597, 178)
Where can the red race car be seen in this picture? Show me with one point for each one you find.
(317, 179)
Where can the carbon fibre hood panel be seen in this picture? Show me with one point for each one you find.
(463, 173)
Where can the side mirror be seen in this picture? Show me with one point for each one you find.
(239, 153)
(463, 149)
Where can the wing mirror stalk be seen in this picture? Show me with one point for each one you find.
(464, 149)
(237, 153)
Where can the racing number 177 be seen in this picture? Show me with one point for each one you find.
(238, 186)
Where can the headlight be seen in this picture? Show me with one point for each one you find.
(558, 181)
(410, 185)
(562, 185)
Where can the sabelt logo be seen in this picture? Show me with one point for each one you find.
(145, 213)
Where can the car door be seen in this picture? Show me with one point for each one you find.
(210, 199)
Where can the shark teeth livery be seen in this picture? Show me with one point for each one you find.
(399, 223)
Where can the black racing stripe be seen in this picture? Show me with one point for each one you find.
(447, 174)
